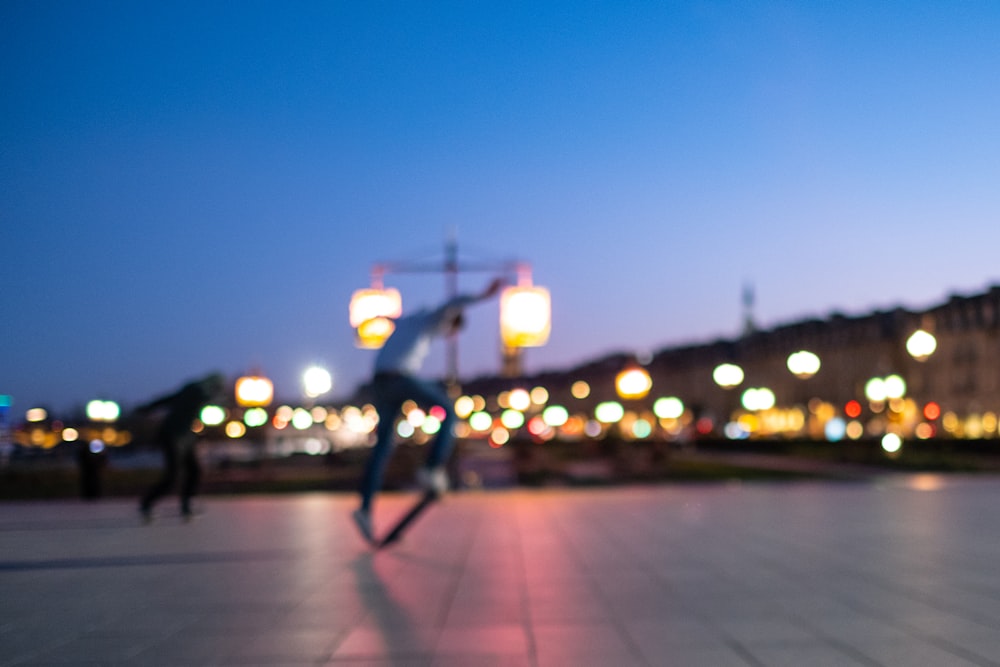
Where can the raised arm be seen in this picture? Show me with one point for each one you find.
(454, 307)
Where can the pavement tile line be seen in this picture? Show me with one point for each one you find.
(753, 574)
(141, 561)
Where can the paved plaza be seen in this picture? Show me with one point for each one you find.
(896, 570)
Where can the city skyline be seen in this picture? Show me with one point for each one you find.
(186, 188)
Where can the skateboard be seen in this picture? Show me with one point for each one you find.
(426, 500)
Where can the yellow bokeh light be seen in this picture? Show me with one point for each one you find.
(580, 389)
(539, 395)
(499, 437)
(480, 421)
(519, 399)
(949, 422)
(235, 429)
(464, 406)
(254, 391)
(525, 316)
(989, 422)
(333, 422)
(633, 383)
(369, 304)
(372, 334)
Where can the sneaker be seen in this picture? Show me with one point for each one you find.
(433, 479)
(364, 523)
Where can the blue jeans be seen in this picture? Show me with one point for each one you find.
(391, 391)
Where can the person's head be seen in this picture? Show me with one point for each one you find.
(213, 385)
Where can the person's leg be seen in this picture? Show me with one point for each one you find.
(389, 397)
(166, 481)
(432, 476)
(432, 393)
(192, 473)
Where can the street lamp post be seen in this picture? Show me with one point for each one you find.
(526, 317)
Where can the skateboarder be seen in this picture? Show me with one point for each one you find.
(177, 441)
(395, 382)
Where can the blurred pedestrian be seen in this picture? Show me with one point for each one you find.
(91, 458)
(177, 441)
(395, 381)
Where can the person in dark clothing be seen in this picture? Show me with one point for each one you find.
(177, 441)
(92, 459)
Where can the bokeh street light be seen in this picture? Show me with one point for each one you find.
(727, 376)
(375, 301)
(372, 312)
(609, 412)
(525, 315)
(212, 415)
(803, 364)
(668, 407)
(921, 344)
(316, 381)
(254, 391)
(633, 383)
(878, 389)
(103, 411)
(758, 398)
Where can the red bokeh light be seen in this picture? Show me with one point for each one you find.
(932, 411)
(852, 409)
(537, 426)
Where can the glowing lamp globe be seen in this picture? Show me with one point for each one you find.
(895, 386)
(921, 344)
(525, 316)
(367, 304)
(803, 364)
(727, 376)
(372, 334)
(609, 412)
(875, 390)
(254, 391)
(758, 398)
(103, 411)
(633, 383)
(668, 407)
(317, 381)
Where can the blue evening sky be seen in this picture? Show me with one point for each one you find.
(189, 186)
